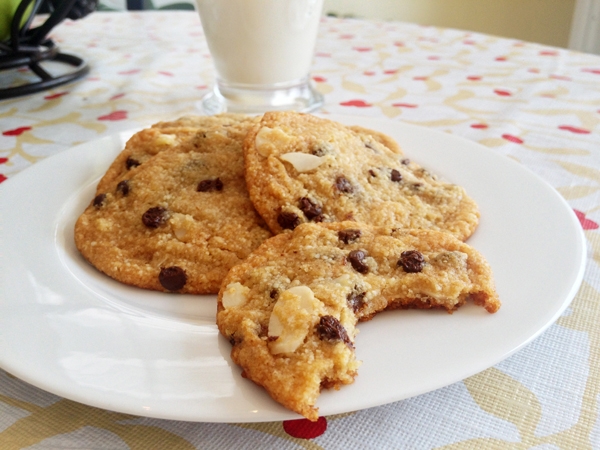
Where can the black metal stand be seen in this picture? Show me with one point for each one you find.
(29, 47)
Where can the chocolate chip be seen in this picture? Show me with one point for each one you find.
(343, 185)
(372, 173)
(318, 151)
(99, 200)
(130, 163)
(309, 208)
(356, 258)
(263, 330)
(349, 235)
(405, 161)
(210, 185)
(274, 294)
(234, 340)
(204, 185)
(123, 187)
(172, 278)
(154, 217)
(396, 176)
(356, 300)
(411, 261)
(330, 329)
(288, 220)
(328, 383)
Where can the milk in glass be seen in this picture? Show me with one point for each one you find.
(261, 42)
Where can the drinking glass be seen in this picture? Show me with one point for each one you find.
(262, 51)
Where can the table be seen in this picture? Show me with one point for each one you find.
(536, 104)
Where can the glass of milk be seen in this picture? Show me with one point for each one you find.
(262, 51)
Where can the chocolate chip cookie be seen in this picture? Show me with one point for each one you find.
(290, 309)
(205, 134)
(301, 168)
(177, 222)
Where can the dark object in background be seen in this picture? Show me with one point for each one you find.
(27, 47)
(135, 5)
(79, 10)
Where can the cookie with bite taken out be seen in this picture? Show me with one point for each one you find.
(290, 309)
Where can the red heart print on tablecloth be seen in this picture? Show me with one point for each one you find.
(53, 96)
(586, 223)
(115, 115)
(16, 131)
(357, 103)
(304, 428)
(573, 129)
(513, 139)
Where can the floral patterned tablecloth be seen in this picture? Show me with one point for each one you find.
(535, 104)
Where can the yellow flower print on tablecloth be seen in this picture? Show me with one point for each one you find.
(65, 416)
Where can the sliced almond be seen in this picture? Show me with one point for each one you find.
(302, 162)
(166, 140)
(235, 295)
(268, 139)
(292, 317)
(306, 295)
(182, 224)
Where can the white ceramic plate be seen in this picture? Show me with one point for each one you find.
(68, 329)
